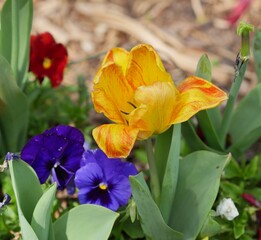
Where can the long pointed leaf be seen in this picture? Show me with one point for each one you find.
(14, 111)
(198, 184)
(162, 147)
(27, 191)
(209, 120)
(41, 220)
(16, 23)
(171, 174)
(154, 227)
(246, 127)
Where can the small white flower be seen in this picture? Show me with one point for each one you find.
(227, 209)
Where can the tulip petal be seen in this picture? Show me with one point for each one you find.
(119, 56)
(155, 108)
(115, 140)
(196, 94)
(145, 67)
(111, 93)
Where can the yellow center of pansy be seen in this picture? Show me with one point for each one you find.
(103, 186)
(47, 63)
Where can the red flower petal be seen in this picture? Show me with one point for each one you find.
(42, 47)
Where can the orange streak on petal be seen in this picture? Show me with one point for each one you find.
(115, 140)
(196, 94)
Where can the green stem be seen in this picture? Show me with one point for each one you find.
(226, 121)
(154, 178)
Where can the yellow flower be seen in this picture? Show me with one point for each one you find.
(134, 91)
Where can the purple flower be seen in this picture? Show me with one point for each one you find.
(57, 151)
(5, 200)
(104, 181)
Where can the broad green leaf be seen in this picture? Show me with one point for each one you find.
(13, 111)
(27, 191)
(246, 122)
(86, 222)
(162, 147)
(41, 220)
(257, 53)
(197, 188)
(209, 120)
(171, 173)
(192, 139)
(152, 222)
(16, 23)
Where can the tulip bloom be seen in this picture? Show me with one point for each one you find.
(47, 58)
(134, 90)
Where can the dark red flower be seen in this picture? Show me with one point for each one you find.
(47, 58)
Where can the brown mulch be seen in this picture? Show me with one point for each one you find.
(180, 30)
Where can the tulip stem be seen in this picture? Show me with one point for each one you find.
(154, 177)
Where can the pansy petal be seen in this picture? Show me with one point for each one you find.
(31, 149)
(120, 189)
(196, 94)
(156, 103)
(43, 165)
(89, 176)
(70, 133)
(115, 140)
(111, 93)
(145, 67)
(88, 157)
(61, 176)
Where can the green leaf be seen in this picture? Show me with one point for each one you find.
(162, 147)
(133, 229)
(192, 139)
(88, 221)
(240, 224)
(27, 191)
(198, 184)
(152, 222)
(211, 227)
(233, 170)
(209, 120)
(171, 173)
(246, 122)
(14, 111)
(251, 168)
(257, 53)
(41, 221)
(204, 68)
(231, 190)
(16, 24)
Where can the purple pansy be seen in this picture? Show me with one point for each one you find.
(57, 151)
(104, 181)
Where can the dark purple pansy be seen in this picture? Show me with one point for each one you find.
(104, 181)
(57, 151)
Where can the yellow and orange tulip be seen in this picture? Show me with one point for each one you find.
(134, 91)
